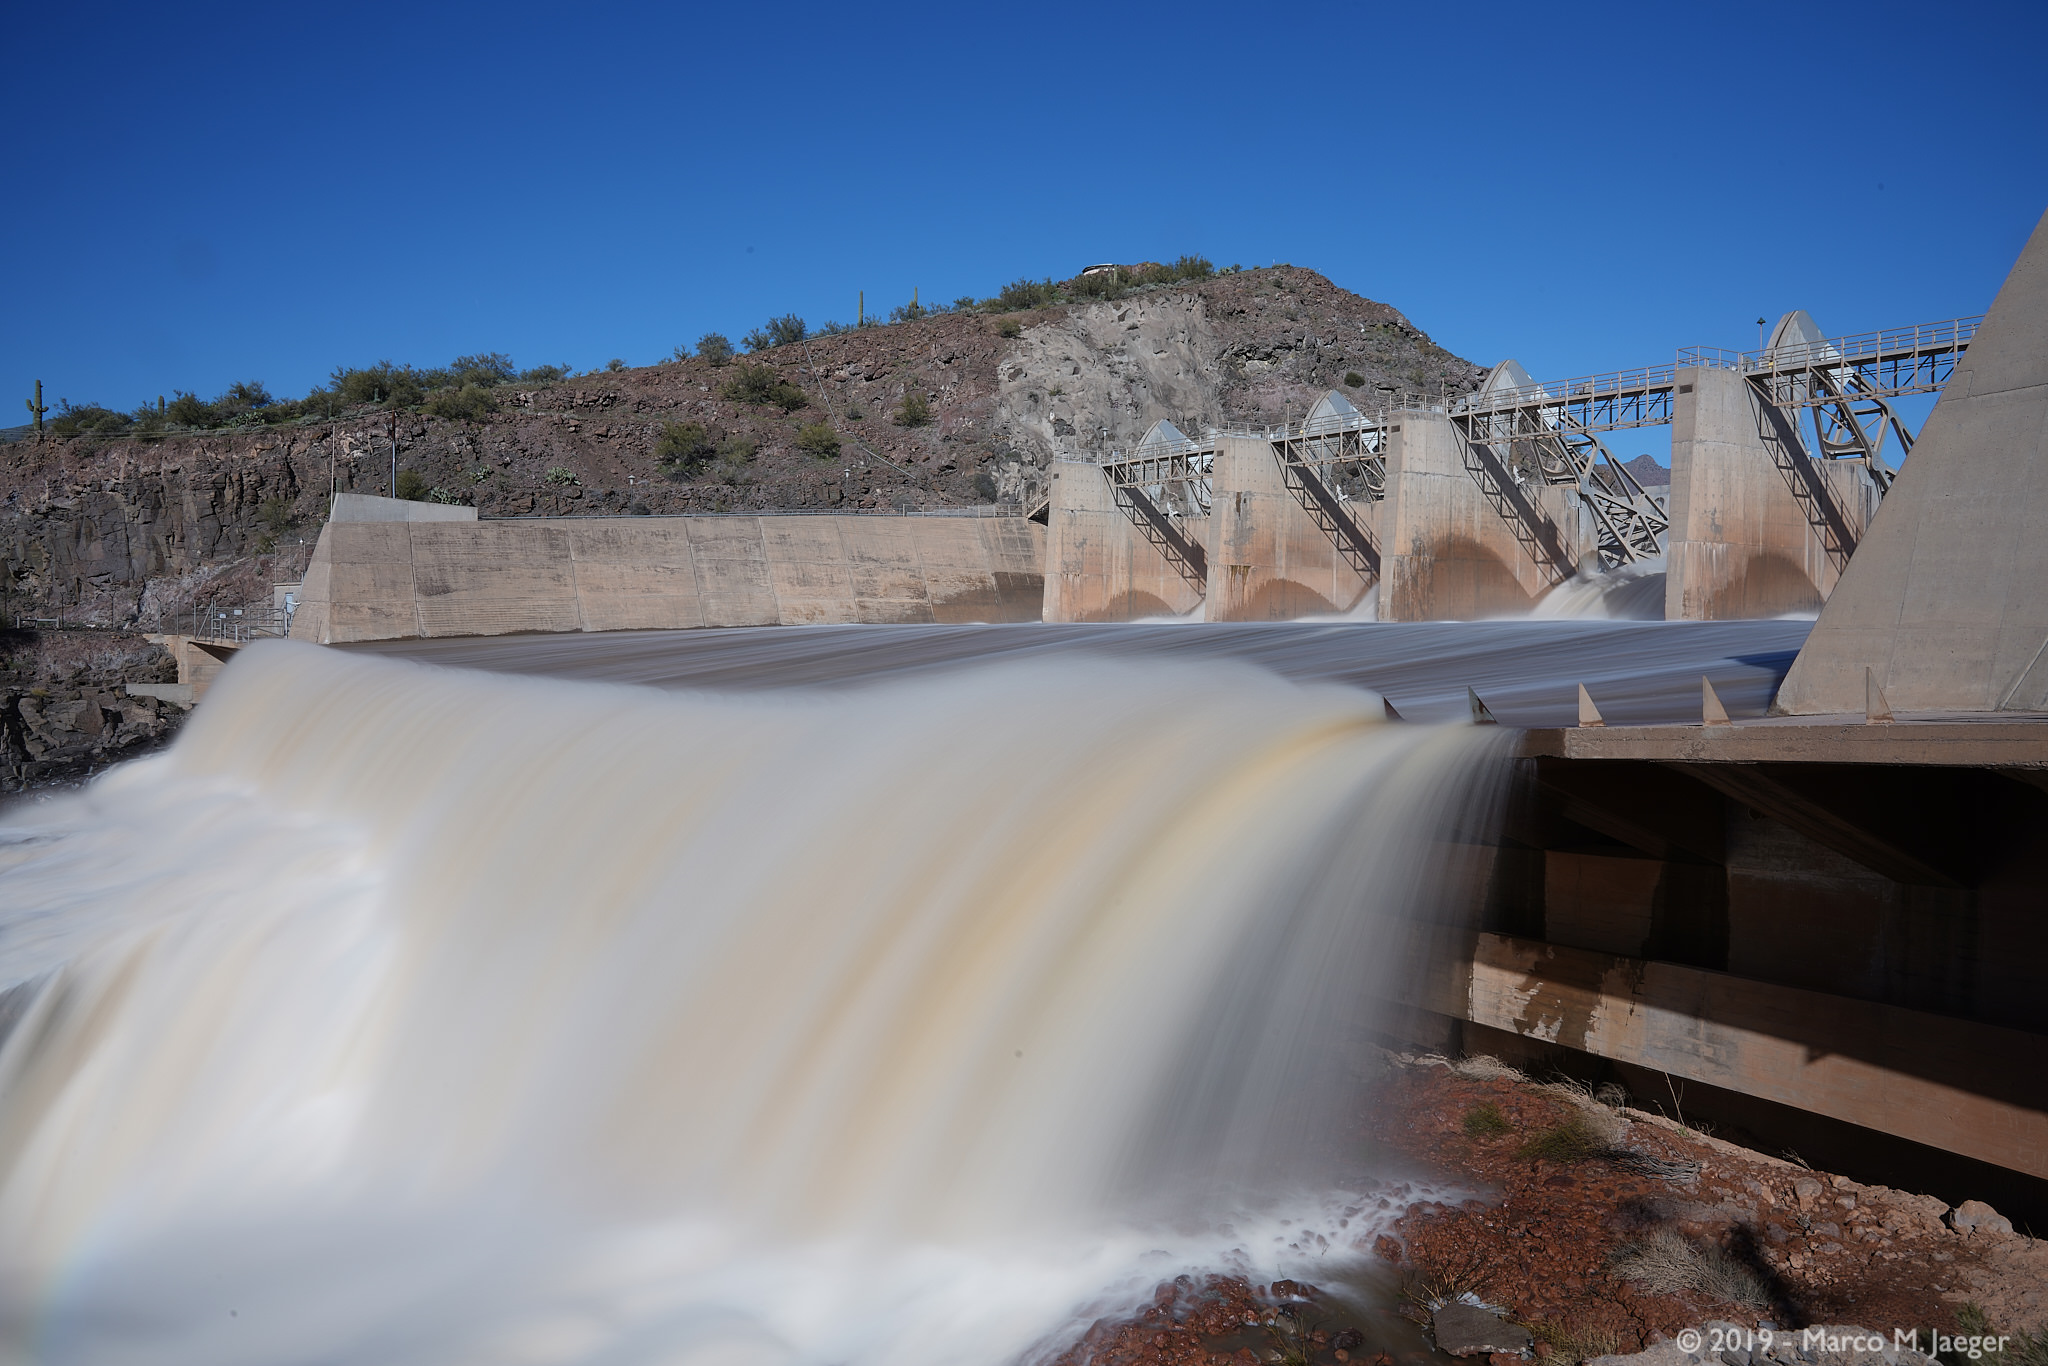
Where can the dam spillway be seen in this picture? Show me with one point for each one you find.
(954, 977)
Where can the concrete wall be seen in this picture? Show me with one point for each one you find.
(1740, 544)
(1098, 567)
(1268, 561)
(1944, 601)
(366, 507)
(382, 580)
(1446, 554)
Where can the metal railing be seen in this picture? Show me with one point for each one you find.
(232, 623)
(1862, 348)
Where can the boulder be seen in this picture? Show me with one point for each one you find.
(1974, 1216)
(1466, 1330)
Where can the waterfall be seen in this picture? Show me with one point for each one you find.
(408, 1014)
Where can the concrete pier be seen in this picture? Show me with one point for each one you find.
(1742, 544)
(1268, 560)
(1447, 555)
(1098, 565)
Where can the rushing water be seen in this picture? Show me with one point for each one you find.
(403, 1014)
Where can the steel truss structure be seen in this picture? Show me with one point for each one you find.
(1164, 488)
(1527, 434)
(1547, 447)
(1330, 470)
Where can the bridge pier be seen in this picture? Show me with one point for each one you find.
(1758, 527)
(1098, 565)
(1447, 554)
(1268, 560)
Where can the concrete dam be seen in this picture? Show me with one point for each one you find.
(866, 939)
(1421, 510)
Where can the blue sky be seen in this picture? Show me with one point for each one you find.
(214, 192)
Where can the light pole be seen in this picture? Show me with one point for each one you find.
(1759, 338)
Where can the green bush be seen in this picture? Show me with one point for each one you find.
(1193, 268)
(560, 475)
(914, 411)
(833, 329)
(489, 368)
(614, 365)
(470, 403)
(907, 313)
(818, 438)
(274, 515)
(683, 449)
(715, 347)
(1353, 379)
(87, 419)
(761, 385)
(1022, 294)
(786, 330)
(413, 486)
(544, 374)
(1010, 328)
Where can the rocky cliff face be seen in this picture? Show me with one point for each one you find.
(133, 532)
(64, 714)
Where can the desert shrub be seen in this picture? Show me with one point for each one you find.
(1573, 1343)
(1353, 379)
(984, 486)
(400, 386)
(188, 410)
(488, 368)
(1026, 293)
(470, 403)
(274, 515)
(966, 303)
(1103, 284)
(1486, 1120)
(560, 476)
(914, 411)
(715, 347)
(437, 494)
(412, 486)
(614, 365)
(834, 329)
(907, 313)
(544, 374)
(783, 331)
(1669, 1263)
(1193, 268)
(1572, 1139)
(818, 438)
(761, 385)
(1011, 328)
(87, 419)
(737, 450)
(683, 449)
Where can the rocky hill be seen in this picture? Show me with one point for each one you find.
(133, 531)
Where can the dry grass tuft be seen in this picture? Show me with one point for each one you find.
(1573, 1139)
(1571, 1345)
(1669, 1263)
(1486, 1121)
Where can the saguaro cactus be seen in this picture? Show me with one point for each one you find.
(36, 408)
